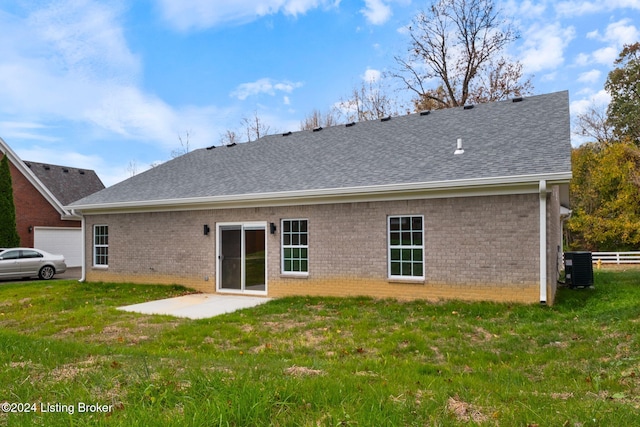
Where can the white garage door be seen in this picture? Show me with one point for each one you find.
(60, 240)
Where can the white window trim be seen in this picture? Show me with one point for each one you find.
(282, 248)
(95, 245)
(389, 247)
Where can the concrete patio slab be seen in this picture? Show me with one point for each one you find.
(197, 306)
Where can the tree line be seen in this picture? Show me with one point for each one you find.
(605, 189)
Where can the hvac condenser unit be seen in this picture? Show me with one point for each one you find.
(578, 269)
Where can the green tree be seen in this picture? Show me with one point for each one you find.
(8, 232)
(623, 84)
(605, 192)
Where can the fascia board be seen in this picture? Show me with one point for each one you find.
(439, 189)
(33, 179)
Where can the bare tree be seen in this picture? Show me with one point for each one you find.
(255, 127)
(456, 56)
(594, 124)
(316, 119)
(370, 101)
(184, 146)
(132, 168)
(229, 138)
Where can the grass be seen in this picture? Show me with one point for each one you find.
(322, 361)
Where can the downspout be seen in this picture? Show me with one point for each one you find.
(543, 241)
(83, 277)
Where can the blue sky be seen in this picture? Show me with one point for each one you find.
(112, 85)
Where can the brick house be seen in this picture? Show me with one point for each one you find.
(459, 203)
(40, 193)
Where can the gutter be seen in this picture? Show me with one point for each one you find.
(543, 241)
(333, 195)
(83, 277)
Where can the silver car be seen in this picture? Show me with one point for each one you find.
(16, 263)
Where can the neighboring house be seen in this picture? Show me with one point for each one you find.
(40, 193)
(387, 208)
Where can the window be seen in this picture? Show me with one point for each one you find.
(101, 245)
(31, 254)
(406, 247)
(10, 255)
(295, 246)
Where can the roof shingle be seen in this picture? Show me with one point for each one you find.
(65, 183)
(500, 139)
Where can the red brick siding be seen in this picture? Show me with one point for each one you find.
(32, 209)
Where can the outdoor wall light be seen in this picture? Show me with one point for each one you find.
(206, 230)
(272, 228)
(30, 229)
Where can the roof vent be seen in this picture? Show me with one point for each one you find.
(46, 167)
(518, 99)
(350, 124)
(211, 147)
(459, 149)
(233, 144)
(468, 107)
(287, 133)
(81, 172)
(65, 170)
(318, 129)
(425, 113)
(385, 119)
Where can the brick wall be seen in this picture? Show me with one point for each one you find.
(32, 209)
(483, 247)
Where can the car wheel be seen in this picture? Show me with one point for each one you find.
(46, 272)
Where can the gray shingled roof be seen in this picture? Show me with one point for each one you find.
(67, 184)
(500, 139)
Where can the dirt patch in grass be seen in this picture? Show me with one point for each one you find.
(70, 371)
(28, 364)
(483, 335)
(464, 411)
(302, 371)
(130, 334)
(119, 334)
(282, 326)
(71, 331)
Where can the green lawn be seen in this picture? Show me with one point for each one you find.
(321, 361)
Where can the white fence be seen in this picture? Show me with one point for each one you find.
(616, 257)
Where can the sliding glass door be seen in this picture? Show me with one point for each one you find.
(242, 258)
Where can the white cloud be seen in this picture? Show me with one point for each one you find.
(616, 35)
(376, 11)
(524, 8)
(580, 106)
(590, 76)
(574, 8)
(371, 76)
(69, 62)
(197, 14)
(582, 59)
(25, 131)
(622, 32)
(86, 37)
(264, 85)
(543, 47)
(605, 56)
